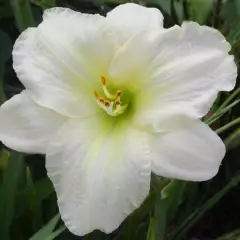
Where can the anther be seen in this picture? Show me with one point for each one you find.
(101, 100)
(117, 102)
(107, 103)
(112, 103)
(103, 80)
(106, 92)
(96, 94)
(118, 93)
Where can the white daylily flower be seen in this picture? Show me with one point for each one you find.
(109, 100)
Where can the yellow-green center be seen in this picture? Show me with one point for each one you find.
(112, 104)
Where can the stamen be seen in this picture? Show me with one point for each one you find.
(103, 80)
(120, 109)
(113, 108)
(117, 101)
(106, 92)
(107, 103)
(96, 94)
(101, 100)
(118, 93)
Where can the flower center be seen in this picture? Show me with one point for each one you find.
(111, 103)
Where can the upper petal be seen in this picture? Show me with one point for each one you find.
(192, 153)
(101, 174)
(190, 66)
(61, 61)
(130, 64)
(130, 19)
(26, 126)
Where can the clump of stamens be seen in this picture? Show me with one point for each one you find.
(112, 102)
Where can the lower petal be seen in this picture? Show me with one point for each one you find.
(26, 126)
(193, 153)
(101, 173)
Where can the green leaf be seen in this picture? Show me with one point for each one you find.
(231, 14)
(228, 125)
(4, 156)
(199, 10)
(233, 95)
(234, 235)
(137, 216)
(45, 4)
(43, 188)
(5, 53)
(158, 223)
(27, 198)
(5, 47)
(233, 140)
(5, 11)
(115, 1)
(56, 233)
(178, 11)
(45, 232)
(22, 14)
(150, 234)
(174, 193)
(199, 213)
(164, 4)
(35, 203)
(159, 219)
(220, 112)
(8, 192)
(231, 11)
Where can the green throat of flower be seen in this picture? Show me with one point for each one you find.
(112, 104)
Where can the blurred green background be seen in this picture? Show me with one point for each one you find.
(198, 211)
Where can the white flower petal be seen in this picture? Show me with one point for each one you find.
(129, 66)
(193, 153)
(101, 173)
(161, 119)
(26, 126)
(130, 19)
(61, 61)
(191, 64)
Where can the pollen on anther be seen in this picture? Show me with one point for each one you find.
(117, 102)
(103, 80)
(96, 94)
(106, 103)
(118, 93)
(101, 100)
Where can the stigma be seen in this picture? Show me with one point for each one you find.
(111, 103)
